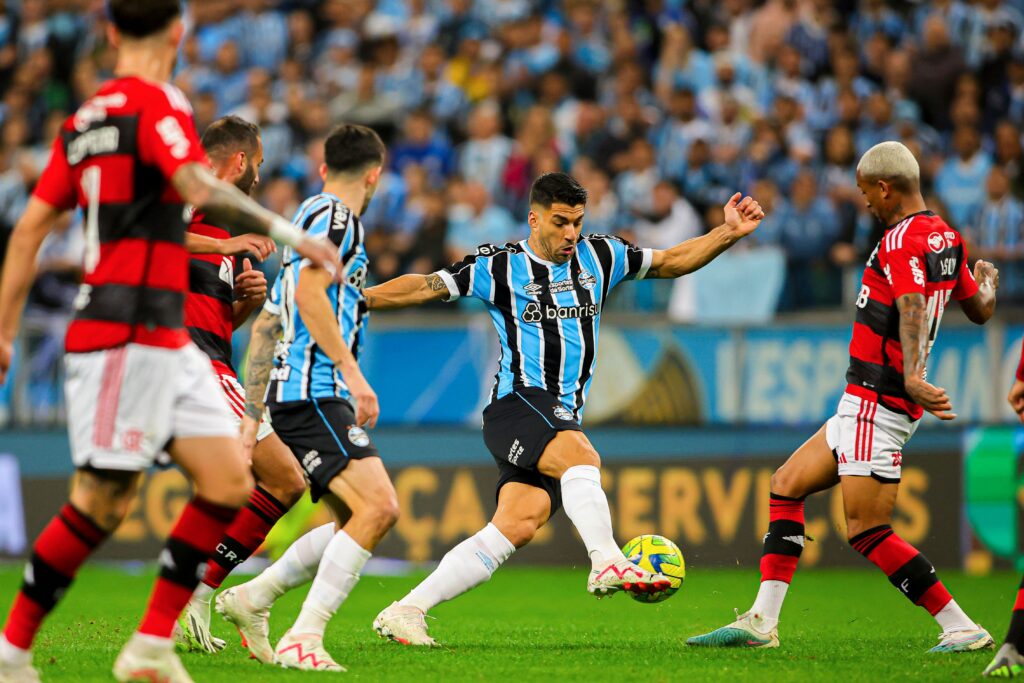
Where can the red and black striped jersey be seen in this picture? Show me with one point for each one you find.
(920, 254)
(208, 307)
(115, 158)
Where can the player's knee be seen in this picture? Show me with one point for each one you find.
(783, 483)
(232, 489)
(381, 511)
(520, 532)
(287, 489)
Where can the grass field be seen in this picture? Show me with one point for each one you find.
(539, 624)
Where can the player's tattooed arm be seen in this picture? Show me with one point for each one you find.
(742, 216)
(226, 204)
(405, 291)
(915, 329)
(266, 330)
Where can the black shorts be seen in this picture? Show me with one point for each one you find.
(323, 436)
(517, 429)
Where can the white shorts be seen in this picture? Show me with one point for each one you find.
(235, 394)
(867, 438)
(125, 405)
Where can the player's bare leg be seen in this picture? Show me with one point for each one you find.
(811, 468)
(366, 490)
(279, 485)
(868, 504)
(222, 484)
(570, 458)
(522, 511)
(98, 503)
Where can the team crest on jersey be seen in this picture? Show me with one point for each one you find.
(587, 281)
(227, 270)
(358, 436)
(532, 288)
(562, 413)
(936, 243)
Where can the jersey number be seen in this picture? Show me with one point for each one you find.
(91, 191)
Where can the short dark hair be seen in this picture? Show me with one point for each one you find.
(229, 134)
(142, 18)
(351, 148)
(557, 187)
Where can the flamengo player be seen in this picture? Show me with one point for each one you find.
(311, 332)
(1009, 661)
(217, 303)
(917, 267)
(135, 384)
(545, 296)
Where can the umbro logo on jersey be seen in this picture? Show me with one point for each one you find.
(532, 288)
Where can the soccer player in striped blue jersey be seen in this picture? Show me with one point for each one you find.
(311, 331)
(545, 296)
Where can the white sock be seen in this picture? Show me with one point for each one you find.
(587, 507)
(297, 566)
(465, 566)
(12, 654)
(203, 593)
(335, 578)
(768, 603)
(953, 618)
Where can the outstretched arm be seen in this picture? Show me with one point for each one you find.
(20, 270)
(226, 204)
(915, 325)
(249, 243)
(405, 291)
(741, 219)
(980, 307)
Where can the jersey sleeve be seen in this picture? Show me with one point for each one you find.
(470, 277)
(966, 285)
(56, 186)
(167, 132)
(624, 260)
(904, 266)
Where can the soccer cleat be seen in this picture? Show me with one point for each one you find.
(305, 651)
(1008, 663)
(743, 632)
(21, 672)
(253, 623)
(403, 624)
(623, 575)
(964, 640)
(144, 658)
(193, 630)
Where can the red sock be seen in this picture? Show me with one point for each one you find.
(785, 538)
(1015, 635)
(66, 542)
(245, 535)
(907, 569)
(192, 539)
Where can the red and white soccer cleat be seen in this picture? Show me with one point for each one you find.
(403, 624)
(623, 575)
(305, 651)
(253, 623)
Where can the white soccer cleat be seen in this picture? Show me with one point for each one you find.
(22, 672)
(623, 575)
(305, 651)
(144, 658)
(253, 623)
(747, 631)
(964, 640)
(193, 629)
(403, 624)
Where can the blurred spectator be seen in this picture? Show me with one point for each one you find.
(996, 233)
(672, 219)
(936, 68)
(422, 146)
(485, 155)
(960, 183)
(473, 220)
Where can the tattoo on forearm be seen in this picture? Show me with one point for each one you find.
(265, 332)
(435, 282)
(913, 333)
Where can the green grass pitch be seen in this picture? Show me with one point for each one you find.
(530, 624)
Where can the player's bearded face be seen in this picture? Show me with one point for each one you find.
(251, 175)
(554, 232)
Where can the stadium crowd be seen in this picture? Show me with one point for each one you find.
(662, 108)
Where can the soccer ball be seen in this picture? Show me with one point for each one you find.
(657, 554)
